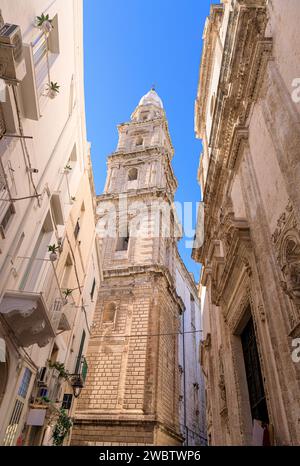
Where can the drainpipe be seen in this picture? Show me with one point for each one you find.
(184, 384)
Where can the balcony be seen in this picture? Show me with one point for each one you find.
(32, 302)
(50, 383)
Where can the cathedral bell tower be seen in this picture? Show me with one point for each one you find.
(132, 389)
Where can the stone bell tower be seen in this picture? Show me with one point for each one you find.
(132, 389)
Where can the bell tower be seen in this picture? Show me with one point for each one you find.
(132, 389)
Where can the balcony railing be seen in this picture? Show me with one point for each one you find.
(32, 301)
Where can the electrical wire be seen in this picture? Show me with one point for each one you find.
(24, 145)
(146, 335)
(78, 283)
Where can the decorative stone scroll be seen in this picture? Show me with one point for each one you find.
(286, 240)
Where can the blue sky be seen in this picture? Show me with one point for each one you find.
(128, 46)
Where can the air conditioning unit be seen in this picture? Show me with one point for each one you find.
(44, 376)
(12, 63)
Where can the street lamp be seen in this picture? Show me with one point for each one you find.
(76, 383)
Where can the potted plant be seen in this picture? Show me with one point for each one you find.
(53, 89)
(61, 428)
(67, 168)
(67, 292)
(52, 248)
(60, 367)
(44, 23)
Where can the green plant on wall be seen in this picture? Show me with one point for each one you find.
(61, 428)
(67, 292)
(41, 20)
(59, 366)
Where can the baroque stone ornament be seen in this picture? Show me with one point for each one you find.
(286, 240)
(222, 386)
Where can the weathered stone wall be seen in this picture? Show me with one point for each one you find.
(112, 433)
(131, 374)
(251, 250)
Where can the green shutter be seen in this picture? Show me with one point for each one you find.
(84, 370)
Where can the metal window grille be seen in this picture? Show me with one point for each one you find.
(15, 417)
(7, 216)
(13, 423)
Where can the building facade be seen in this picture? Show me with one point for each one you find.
(247, 114)
(50, 266)
(133, 389)
(191, 386)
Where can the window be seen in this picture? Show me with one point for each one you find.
(57, 209)
(79, 357)
(144, 116)
(54, 354)
(25, 383)
(6, 218)
(93, 289)
(212, 104)
(31, 277)
(122, 242)
(73, 156)
(139, 141)
(45, 51)
(132, 174)
(77, 229)
(15, 417)
(67, 401)
(40, 61)
(192, 300)
(13, 424)
(72, 95)
(109, 313)
(68, 269)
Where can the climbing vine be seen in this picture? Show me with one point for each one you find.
(61, 428)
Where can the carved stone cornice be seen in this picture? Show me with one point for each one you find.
(162, 120)
(152, 270)
(144, 193)
(137, 155)
(227, 269)
(239, 139)
(234, 314)
(245, 57)
(286, 241)
(210, 37)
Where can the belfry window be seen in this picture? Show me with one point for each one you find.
(109, 313)
(144, 116)
(132, 174)
(139, 141)
(122, 242)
